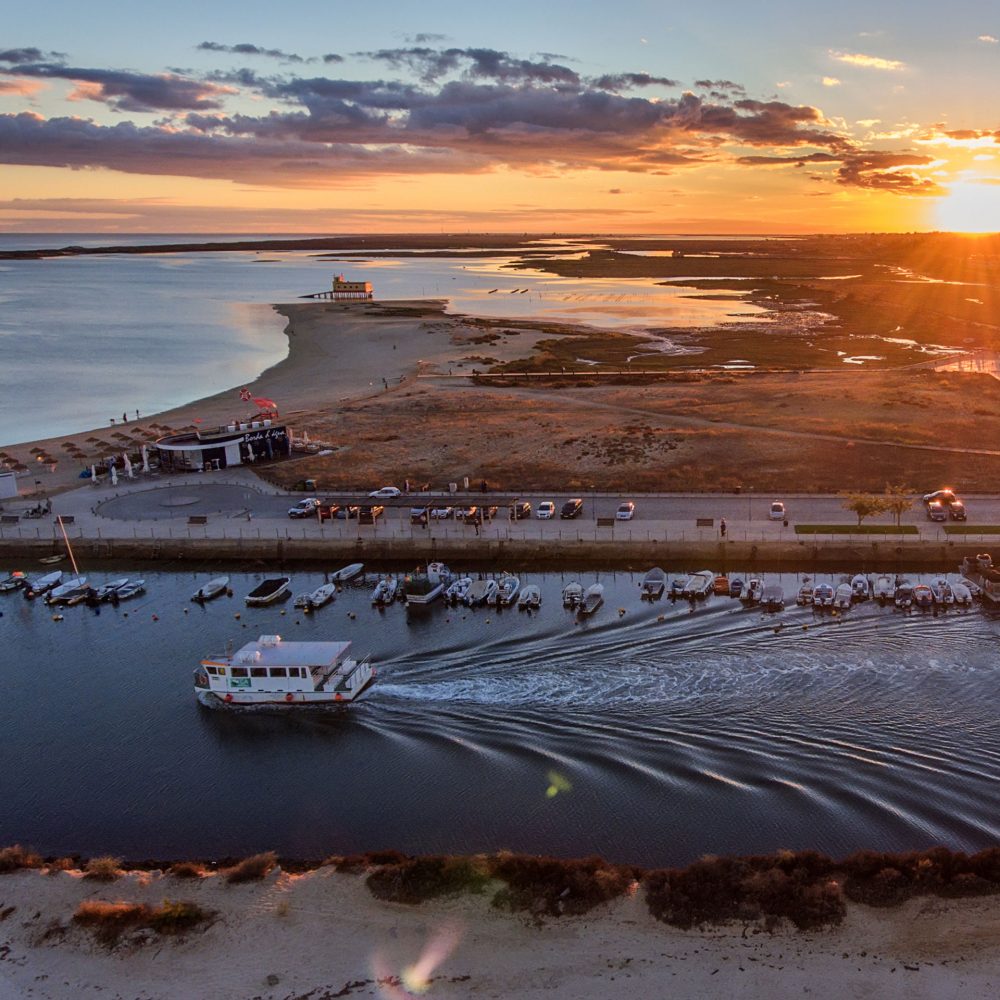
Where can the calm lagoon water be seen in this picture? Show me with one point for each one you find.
(711, 730)
(85, 339)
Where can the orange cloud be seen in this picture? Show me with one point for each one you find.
(868, 62)
(23, 88)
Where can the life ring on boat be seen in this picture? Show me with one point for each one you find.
(228, 698)
(289, 696)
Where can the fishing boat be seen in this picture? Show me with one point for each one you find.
(271, 671)
(423, 588)
(507, 587)
(698, 584)
(13, 581)
(923, 596)
(131, 589)
(42, 584)
(385, 590)
(736, 587)
(530, 597)
(773, 598)
(572, 594)
(860, 587)
(885, 588)
(903, 598)
(844, 596)
(941, 590)
(720, 585)
(212, 589)
(823, 596)
(455, 594)
(346, 573)
(268, 591)
(593, 598)
(653, 584)
(806, 594)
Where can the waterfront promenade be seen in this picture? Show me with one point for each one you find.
(236, 515)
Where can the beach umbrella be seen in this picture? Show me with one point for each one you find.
(145, 459)
(114, 476)
(128, 465)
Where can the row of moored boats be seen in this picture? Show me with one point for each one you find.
(58, 588)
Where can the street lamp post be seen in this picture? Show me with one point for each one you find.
(749, 507)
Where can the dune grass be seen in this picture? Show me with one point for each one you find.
(109, 921)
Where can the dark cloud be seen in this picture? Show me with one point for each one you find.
(626, 81)
(426, 38)
(125, 91)
(475, 63)
(29, 55)
(332, 57)
(247, 49)
(880, 171)
(797, 161)
(725, 86)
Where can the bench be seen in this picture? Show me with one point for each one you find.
(605, 522)
(704, 522)
(9, 518)
(198, 519)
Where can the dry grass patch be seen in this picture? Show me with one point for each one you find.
(188, 869)
(109, 921)
(416, 880)
(252, 869)
(15, 858)
(103, 869)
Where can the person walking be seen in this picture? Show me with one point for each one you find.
(722, 528)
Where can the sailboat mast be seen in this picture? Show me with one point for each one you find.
(69, 548)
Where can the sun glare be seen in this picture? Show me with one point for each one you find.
(970, 208)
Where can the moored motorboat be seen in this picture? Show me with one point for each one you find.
(860, 587)
(13, 581)
(530, 597)
(107, 590)
(903, 597)
(212, 589)
(961, 593)
(131, 589)
(346, 573)
(385, 590)
(653, 584)
(572, 594)
(271, 671)
(321, 596)
(737, 586)
(507, 587)
(69, 591)
(699, 584)
(268, 591)
(885, 588)
(43, 584)
(806, 594)
(593, 598)
(923, 596)
(773, 598)
(941, 591)
(422, 588)
(457, 590)
(754, 591)
(844, 596)
(677, 581)
(823, 595)
(720, 585)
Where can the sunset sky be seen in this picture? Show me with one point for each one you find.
(560, 116)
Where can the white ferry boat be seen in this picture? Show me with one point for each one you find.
(271, 671)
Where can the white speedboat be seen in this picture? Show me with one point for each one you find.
(806, 594)
(43, 584)
(572, 594)
(961, 593)
(507, 587)
(860, 587)
(941, 589)
(321, 596)
(69, 591)
(385, 590)
(593, 598)
(455, 594)
(14, 581)
(530, 597)
(653, 584)
(844, 596)
(301, 600)
(346, 573)
(420, 588)
(268, 591)
(773, 597)
(131, 589)
(754, 591)
(903, 597)
(885, 588)
(677, 582)
(823, 595)
(699, 584)
(213, 588)
(271, 671)
(107, 590)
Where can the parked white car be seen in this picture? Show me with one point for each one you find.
(626, 511)
(387, 491)
(777, 512)
(442, 513)
(546, 510)
(304, 508)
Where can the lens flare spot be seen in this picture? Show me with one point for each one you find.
(416, 979)
(557, 783)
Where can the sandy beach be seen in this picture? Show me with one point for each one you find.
(322, 934)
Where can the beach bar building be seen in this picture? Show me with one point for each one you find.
(232, 444)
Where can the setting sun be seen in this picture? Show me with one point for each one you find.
(970, 208)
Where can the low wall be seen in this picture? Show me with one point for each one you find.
(514, 553)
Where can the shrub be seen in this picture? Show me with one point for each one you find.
(354, 863)
(187, 869)
(551, 886)
(418, 879)
(103, 869)
(109, 921)
(16, 858)
(252, 869)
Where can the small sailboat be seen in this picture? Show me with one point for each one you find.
(593, 598)
(42, 584)
(653, 584)
(572, 594)
(212, 589)
(530, 597)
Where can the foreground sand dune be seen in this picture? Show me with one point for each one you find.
(322, 934)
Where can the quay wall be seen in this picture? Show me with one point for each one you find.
(499, 553)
